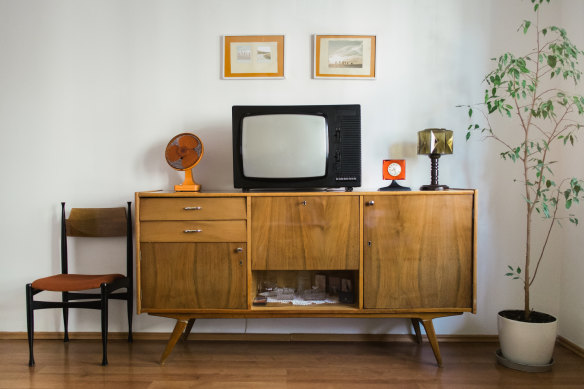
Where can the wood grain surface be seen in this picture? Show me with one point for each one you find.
(192, 208)
(193, 231)
(193, 275)
(274, 365)
(305, 233)
(418, 251)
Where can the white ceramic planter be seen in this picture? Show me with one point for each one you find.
(527, 343)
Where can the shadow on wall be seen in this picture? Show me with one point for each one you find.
(215, 171)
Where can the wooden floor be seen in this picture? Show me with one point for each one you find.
(273, 365)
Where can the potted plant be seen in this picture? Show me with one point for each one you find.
(538, 115)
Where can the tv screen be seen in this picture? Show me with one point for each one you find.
(284, 146)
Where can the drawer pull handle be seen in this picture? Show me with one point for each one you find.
(192, 231)
(370, 203)
(239, 250)
(193, 208)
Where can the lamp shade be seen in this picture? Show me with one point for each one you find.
(435, 141)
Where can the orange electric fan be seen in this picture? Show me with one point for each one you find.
(183, 152)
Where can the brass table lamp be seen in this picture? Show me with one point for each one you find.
(434, 142)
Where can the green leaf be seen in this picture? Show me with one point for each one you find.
(526, 26)
(518, 270)
(551, 61)
(546, 210)
(470, 112)
(568, 204)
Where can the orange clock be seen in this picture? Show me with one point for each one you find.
(394, 169)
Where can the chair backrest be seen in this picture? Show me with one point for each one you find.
(97, 223)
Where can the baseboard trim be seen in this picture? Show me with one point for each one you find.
(261, 337)
(294, 337)
(571, 346)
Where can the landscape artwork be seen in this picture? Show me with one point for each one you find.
(344, 56)
(253, 56)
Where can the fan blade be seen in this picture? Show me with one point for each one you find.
(189, 142)
(189, 159)
(172, 153)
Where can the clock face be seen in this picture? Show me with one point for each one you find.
(394, 169)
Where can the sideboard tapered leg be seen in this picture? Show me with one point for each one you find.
(429, 327)
(416, 325)
(188, 329)
(176, 334)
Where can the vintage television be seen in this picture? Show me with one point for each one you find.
(297, 147)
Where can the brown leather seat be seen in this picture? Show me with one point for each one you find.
(74, 282)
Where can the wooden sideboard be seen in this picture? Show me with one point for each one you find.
(405, 254)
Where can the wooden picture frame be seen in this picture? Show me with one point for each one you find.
(253, 56)
(344, 56)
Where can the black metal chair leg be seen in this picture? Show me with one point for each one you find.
(130, 308)
(30, 324)
(66, 318)
(129, 271)
(104, 320)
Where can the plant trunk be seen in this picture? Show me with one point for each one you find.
(529, 207)
(526, 310)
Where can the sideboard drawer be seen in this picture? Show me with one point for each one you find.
(193, 208)
(193, 231)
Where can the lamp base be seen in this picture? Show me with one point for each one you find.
(434, 187)
(394, 186)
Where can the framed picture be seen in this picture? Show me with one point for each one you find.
(344, 56)
(253, 56)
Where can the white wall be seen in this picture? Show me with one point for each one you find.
(572, 287)
(91, 92)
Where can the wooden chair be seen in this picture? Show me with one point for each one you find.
(76, 288)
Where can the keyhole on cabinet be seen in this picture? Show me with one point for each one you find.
(369, 243)
(304, 203)
(241, 262)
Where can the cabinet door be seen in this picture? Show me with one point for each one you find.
(418, 251)
(193, 275)
(305, 233)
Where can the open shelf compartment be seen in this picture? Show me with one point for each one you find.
(305, 289)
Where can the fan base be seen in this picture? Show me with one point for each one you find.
(189, 184)
(187, 188)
